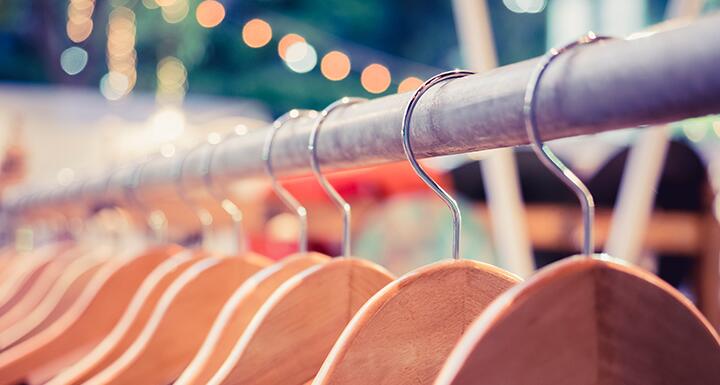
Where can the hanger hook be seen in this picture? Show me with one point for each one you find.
(202, 213)
(545, 154)
(315, 165)
(227, 205)
(157, 228)
(407, 146)
(280, 191)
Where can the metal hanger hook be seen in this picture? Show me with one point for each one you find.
(202, 213)
(157, 228)
(545, 154)
(315, 165)
(227, 205)
(280, 191)
(407, 146)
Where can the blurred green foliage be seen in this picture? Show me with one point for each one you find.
(32, 36)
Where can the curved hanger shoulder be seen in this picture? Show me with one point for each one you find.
(237, 313)
(59, 299)
(35, 294)
(180, 322)
(91, 317)
(21, 282)
(404, 333)
(585, 321)
(130, 325)
(290, 336)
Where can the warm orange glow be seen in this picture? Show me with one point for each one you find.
(409, 84)
(375, 78)
(256, 33)
(79, 32)
(210, 13)
(287, 41)
(335, 65)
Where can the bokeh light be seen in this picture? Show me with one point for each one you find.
(375, 78)
(287, 41)
(79, 21)
(121, 55)
(73, 60)
(171, 80)
(409, 84)
(525, 6)
(256, 33)
(174, 11)
(210, 13)
(301, 57)
(335, 65)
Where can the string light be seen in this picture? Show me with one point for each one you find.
(375, 78)
(335, 65)
(409, 84)
(174, 11)
(287, 41)
(171, 80)
(73, 60)
(256, 33)
(121, 55)
(209, 13)
(79, 24)
(525, 6)
(301, 57)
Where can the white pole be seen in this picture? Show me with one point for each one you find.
(499, 169)
(645, 162)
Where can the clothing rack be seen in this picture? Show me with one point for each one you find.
(651, 79)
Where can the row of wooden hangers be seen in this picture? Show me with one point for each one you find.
(72, 314)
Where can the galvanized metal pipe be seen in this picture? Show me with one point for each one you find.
(665, 77)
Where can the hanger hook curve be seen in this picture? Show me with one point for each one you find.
(280, 191)
(410, 154)
(232, 210)
(545, 154)
(337, 199)
(204, 216)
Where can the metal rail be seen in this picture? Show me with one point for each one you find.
(655, 79)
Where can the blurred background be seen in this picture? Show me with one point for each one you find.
(89, 85)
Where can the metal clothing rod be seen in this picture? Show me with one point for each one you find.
(660, 78)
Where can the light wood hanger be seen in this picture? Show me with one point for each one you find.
(21, 281)
(237, 313)
(130, 325)
(180, 322)
(404, 332)
(59, 299)
(295, 328)
(188, 309)
(239, 310)
(89, 320)
(39, 289)
(587, 320)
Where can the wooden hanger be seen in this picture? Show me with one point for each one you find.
(187, 309)
(586, 320)
(244, 303)
(180, 322)
(23, 277)
(90, 319)
(404, 333)
(59, 299)
(239, 311)
(39, 289)
(130, 325)
(295, 328)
